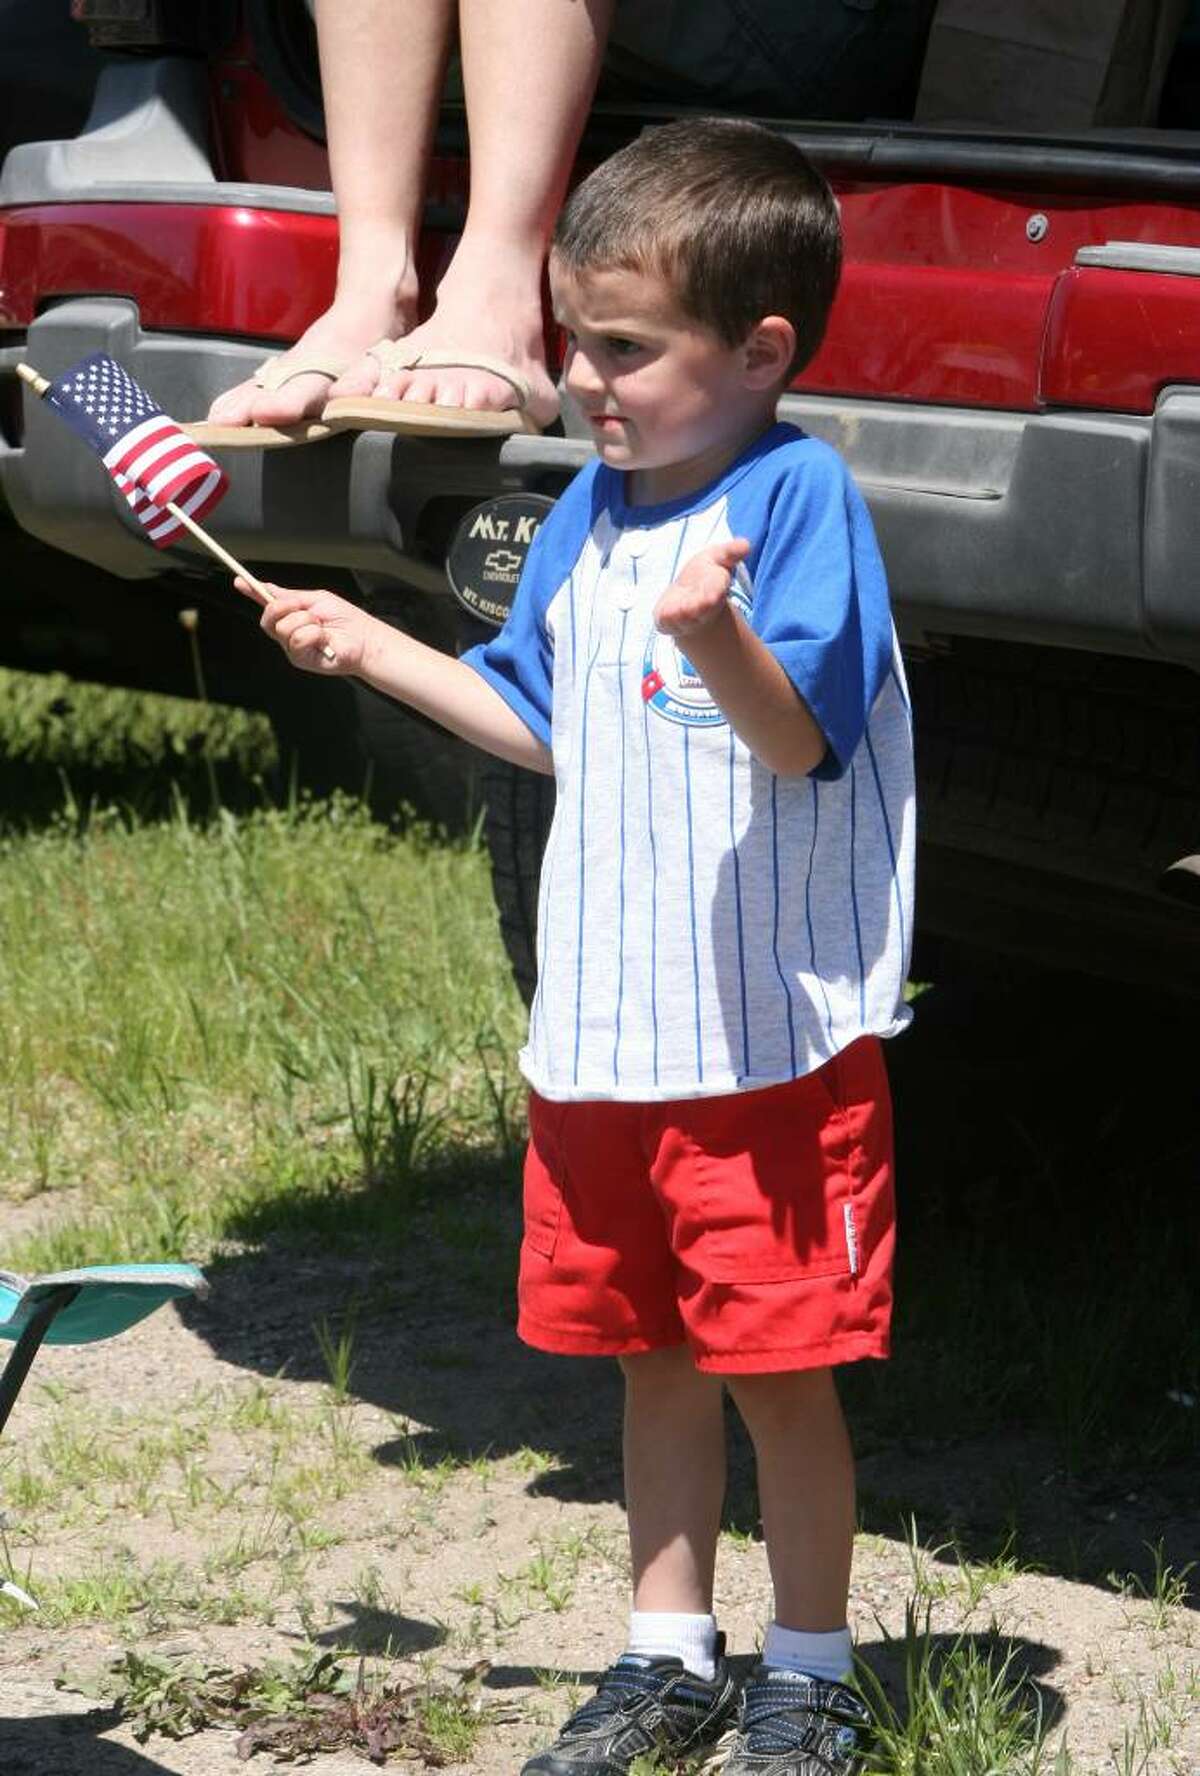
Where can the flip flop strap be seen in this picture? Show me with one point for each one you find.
(272, 373)
(393, 355)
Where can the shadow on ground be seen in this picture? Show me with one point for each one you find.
(62, 1743)
(1043, 1392)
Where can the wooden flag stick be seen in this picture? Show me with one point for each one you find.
(39, 385)
(27, 373)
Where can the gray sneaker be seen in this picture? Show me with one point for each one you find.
(792, 1725)
(641, 1706)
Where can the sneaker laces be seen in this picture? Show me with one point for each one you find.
(630, 1678)
(787, 1712)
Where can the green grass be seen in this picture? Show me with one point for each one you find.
(966, 1710)
(216, 1028)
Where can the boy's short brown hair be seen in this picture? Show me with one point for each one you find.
(734, 217)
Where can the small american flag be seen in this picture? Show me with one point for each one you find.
(148, 456)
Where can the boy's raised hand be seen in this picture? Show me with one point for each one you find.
(318, 631)
(700, 592)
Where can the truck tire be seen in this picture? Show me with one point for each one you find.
(518, 809)
(342, 735)
(1054, 790)
(413, 766)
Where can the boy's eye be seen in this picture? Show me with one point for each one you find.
(622, 348)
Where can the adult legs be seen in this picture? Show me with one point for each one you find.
(529, 70)
(674, 1479)
(382, 65)
(805, 1490)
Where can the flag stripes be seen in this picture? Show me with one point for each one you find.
(151, 459)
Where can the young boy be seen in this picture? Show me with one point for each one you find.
(701, 650)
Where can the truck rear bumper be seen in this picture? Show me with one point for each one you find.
(1072, 529)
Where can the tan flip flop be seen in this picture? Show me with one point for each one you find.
(422, 419)
(271, 375)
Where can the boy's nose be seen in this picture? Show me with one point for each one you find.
(580, 376)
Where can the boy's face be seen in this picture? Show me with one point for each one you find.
(666, 398)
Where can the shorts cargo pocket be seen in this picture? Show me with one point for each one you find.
(776, 1200)
(545, 1176)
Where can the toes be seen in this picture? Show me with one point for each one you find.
(362, 378)
(437, 391)
(465, 391)
(474, 394)
(234, 405)
(392, 385)
(302, 398)
(486, 394)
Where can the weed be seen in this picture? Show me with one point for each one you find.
(965, 1712)
(393, 1126)
(1152, 1731)
(368, 1591)
(1167, 1590)
(250, 1544)
(338, 1351)
(535, 1462)
(28, 1489)
(547, 1580)
(452, 1721)
(14, 1595)
(114, 1592)
(547, 1577)
(976, 1578)
(261, 1407)
(316, 1705)
(929, 1585)
(158, 1695)
(935, 1581)
(422, 1462)
(739, 1537)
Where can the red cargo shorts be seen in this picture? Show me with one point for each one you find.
(757, 1227)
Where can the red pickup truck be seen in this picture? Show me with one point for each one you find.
(1012, 371)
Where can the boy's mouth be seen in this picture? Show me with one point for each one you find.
(603, 421)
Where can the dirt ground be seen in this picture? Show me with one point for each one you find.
(510, 1549)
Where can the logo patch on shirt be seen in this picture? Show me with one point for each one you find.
(672, 687)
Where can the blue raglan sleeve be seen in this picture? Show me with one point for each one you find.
(820, 596)
(519, 661)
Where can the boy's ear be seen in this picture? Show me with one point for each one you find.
(769, 349)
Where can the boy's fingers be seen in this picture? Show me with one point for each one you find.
(716, 558)
(727, 554)
(290, 623)
(253, 592)
(305, 636)
(707, 586)
(286, 605)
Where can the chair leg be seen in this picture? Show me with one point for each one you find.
(27, 1345)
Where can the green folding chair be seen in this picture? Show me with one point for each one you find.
(78, 1307)
(81, 1307)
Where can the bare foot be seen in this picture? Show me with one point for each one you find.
(357, 317)
(470, 316)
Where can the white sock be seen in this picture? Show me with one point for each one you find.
(671, 1634)
(813, 1655)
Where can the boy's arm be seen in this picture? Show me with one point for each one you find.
(744, 678)
(323, 633)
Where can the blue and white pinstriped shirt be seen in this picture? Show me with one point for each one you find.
(705, 926)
